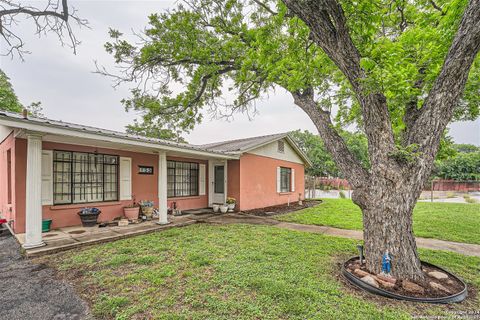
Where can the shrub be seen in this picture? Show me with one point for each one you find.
(342, 194)
(464, 166)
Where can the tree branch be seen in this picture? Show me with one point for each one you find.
(447, 89)
(346, 161)
(326, 21)
(437, 7)
(45, 20)
(264, 6)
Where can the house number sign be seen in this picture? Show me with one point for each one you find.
(145, 169)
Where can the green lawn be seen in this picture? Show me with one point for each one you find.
(447, 221)
(235, 272)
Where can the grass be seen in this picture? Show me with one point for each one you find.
(446, 221)
(236, 272)
(468, 199)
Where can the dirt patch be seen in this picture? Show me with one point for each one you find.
(436, 283)
(283, 208)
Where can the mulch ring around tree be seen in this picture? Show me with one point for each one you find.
(283, 208)
(438, 286)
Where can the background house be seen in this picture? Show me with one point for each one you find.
(52, 169)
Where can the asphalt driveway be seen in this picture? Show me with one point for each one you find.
(30, 291)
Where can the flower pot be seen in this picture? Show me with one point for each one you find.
(89, 216)
(224, 209)
(231, 207)
(46, 225)
(131, 213)
(216, 207)
(148, 211)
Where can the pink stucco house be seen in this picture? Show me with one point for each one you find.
(52, 169)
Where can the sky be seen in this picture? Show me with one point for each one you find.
(69, 90)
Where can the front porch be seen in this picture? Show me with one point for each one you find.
(63, 175)
(67, 238)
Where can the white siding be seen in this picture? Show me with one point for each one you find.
(271, 150)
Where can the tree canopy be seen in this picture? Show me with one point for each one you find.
(225, 55)
(8, 98)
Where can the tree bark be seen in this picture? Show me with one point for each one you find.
(387, 225)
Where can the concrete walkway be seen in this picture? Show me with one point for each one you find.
(458, 247)
(435, 244)
(73, 237)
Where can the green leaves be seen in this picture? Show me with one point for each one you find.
(219, 57)
(8, 98)
(322, 162)
(463, 166)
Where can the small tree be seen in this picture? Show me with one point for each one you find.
(396, 69)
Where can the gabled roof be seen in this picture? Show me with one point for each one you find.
(240, 146)
(243, 145)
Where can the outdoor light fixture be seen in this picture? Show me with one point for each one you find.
(360, 252)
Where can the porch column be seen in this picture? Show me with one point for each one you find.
(162, 188)
(225, 181)
(33, 214)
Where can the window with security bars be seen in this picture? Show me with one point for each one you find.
(80, 177)
(285, 179)
(182, 179)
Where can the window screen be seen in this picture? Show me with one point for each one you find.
(182, 179)
(285, 179)
(80, 177)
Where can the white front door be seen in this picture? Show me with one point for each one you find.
(217, 175)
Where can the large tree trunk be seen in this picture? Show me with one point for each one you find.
(387, 224)
(388, 192)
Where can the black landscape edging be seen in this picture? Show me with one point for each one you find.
(457, 297)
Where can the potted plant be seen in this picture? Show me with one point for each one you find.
(131, 211)
(231, 203)
(216, 207)
(89, 216)
(147, 208)
(224, 208)
(46, 223)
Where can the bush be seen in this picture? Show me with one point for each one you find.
(342, 194)
(464, 166)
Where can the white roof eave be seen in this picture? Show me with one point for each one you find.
(88, 134)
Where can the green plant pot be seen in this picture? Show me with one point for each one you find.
(46, 225)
